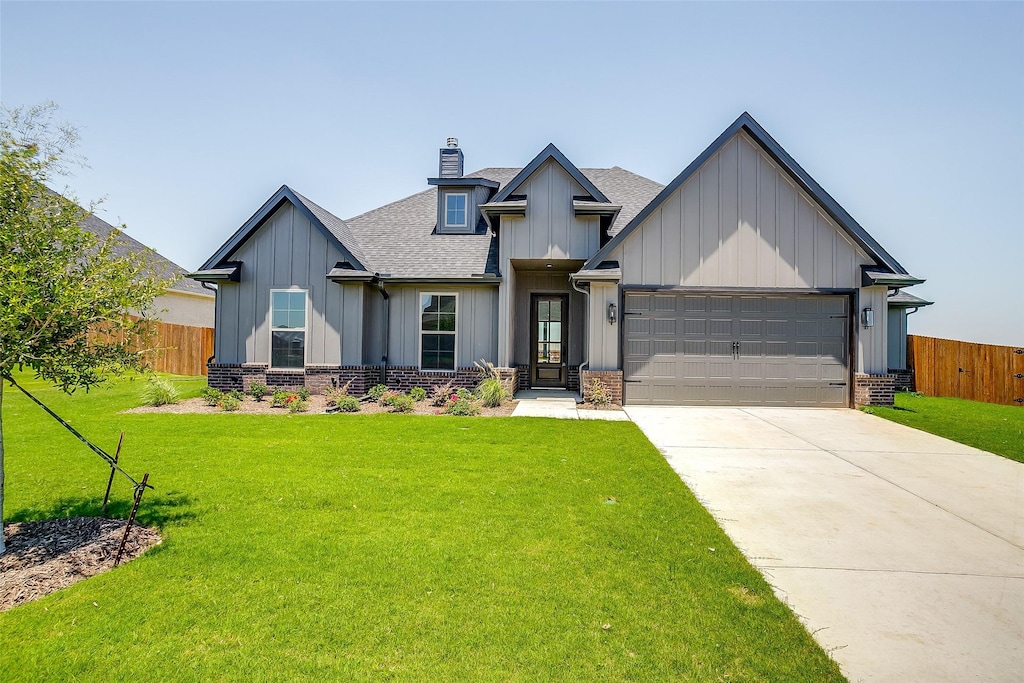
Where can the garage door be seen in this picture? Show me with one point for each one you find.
(702, 349)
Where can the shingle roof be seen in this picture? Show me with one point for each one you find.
(337, 227)
(161, 265)
(398, 238)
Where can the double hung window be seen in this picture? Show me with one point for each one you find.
(437, 331)
(287, 328)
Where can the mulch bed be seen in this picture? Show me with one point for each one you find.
(43, 557)
(317, 404)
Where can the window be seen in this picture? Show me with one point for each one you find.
(455, 210)
(437, 332)
(287, 328)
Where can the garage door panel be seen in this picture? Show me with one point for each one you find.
(737, 349)
(695, 326)
(663, 326)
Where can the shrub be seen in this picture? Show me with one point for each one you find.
(159, 392)
(402, 403)
(387, 398)
(229, 403)
(297, 405)
(236, 394)
(347, 404)
(334, 395)
(279, 399)
(377, 391)
(439, 394)
(258, 390)
(464, 394)
(459, 405)
(492, 392)
(493, 389)
(211, 396)
(598, 392)
(303, 393)
(418, 394)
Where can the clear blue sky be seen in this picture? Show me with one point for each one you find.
(192, 114)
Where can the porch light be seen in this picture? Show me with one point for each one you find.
(611, 314)
(867, 317)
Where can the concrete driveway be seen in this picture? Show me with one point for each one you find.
(902, 552)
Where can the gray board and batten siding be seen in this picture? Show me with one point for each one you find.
(288, 252)
(739, 221)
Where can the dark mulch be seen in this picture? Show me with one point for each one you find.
(43, 557)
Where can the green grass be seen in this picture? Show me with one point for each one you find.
(991, 427)
(388, 547)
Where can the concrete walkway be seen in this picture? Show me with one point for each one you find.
(560, 405)
(902, 552)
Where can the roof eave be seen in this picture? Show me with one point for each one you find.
(875, 278)
(229, 271)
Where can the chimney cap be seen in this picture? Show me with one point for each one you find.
(453, 143)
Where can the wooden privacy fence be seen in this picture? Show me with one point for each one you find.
(977, 372)
(178, 349)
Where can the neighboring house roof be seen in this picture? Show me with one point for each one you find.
(400, 239)
(747, 123)
(127, 245)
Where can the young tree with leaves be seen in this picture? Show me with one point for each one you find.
(65, 295)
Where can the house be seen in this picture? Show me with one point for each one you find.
(741, 282)
(185, 302)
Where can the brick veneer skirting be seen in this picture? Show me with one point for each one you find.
(873, 390)
(318, 378)
(612, 379)
(904, 379)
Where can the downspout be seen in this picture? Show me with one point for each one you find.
(207, 285)
(387, 325)
(586, 347)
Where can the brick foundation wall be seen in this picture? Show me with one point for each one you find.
(873, 390)
(318, 378)
(904, 379)
(611, 379)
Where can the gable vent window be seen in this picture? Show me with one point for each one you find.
(287, 328)
(437, 331)
(455, 210)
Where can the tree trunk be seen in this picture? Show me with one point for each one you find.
(3, 546)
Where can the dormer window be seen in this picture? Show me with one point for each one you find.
(455, 209)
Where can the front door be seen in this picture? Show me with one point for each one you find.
(549, 340)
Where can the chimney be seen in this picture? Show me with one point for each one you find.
(451, 160)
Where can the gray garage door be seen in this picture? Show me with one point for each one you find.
(703, 349)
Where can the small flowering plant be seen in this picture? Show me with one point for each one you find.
(461, 403)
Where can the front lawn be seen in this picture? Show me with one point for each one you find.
(387, 547)
(991, 427)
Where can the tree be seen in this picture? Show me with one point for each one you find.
(65, 294)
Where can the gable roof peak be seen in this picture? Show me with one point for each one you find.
(551, 152)
(788, 164)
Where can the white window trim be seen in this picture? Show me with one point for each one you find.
(465, 223)
(305, 328)
(420, 333)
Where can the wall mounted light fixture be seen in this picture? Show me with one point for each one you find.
(867, 317)
(612, 310)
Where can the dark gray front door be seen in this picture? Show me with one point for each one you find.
(708, 349)
(549, 339)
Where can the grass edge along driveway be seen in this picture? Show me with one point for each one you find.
(388, 547)
(991, 427)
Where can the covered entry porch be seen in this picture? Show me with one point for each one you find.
(546, 324)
